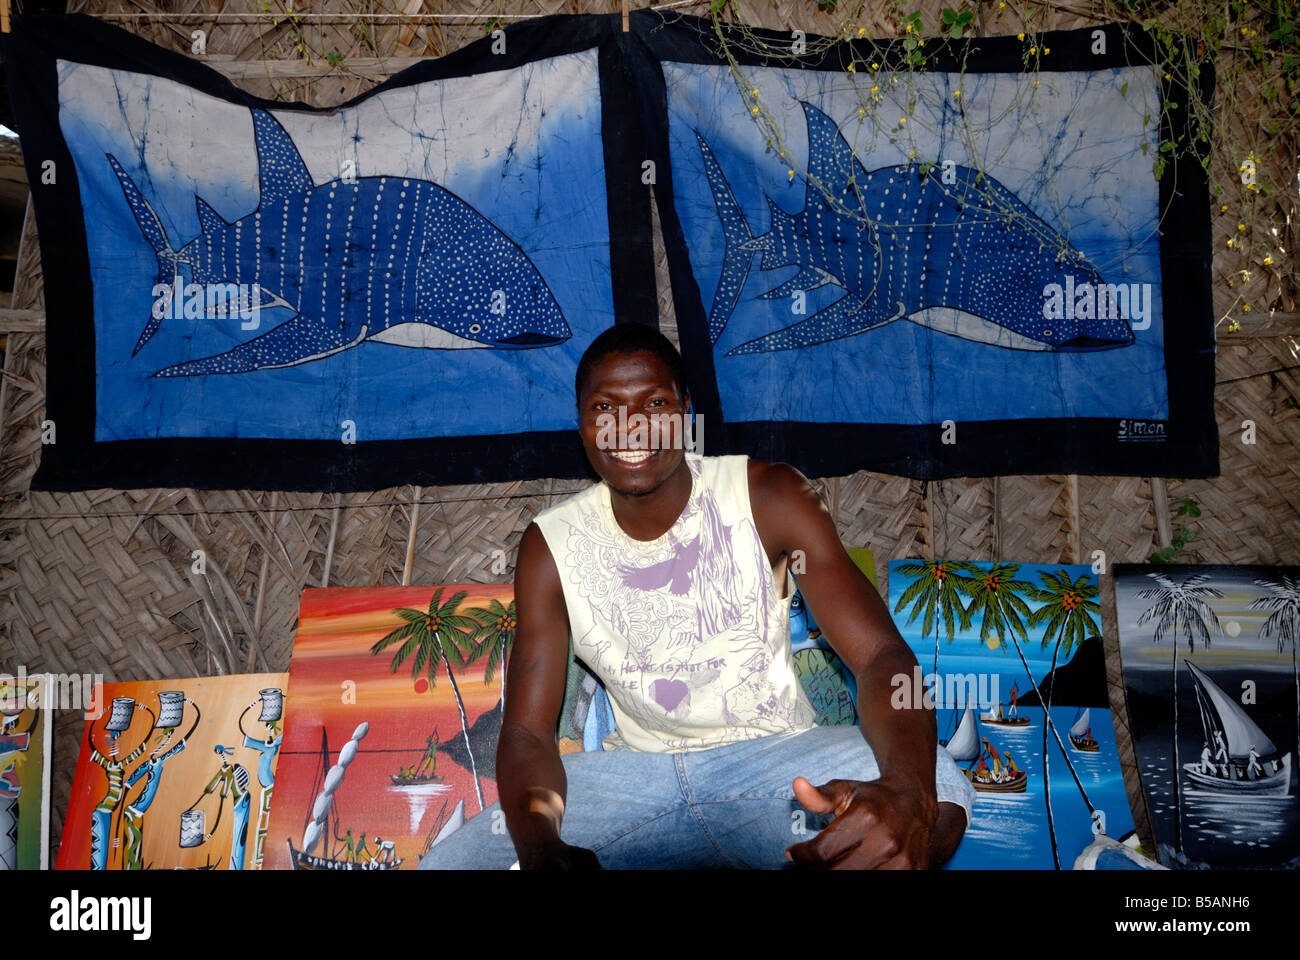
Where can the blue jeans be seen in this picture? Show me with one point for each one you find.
(726, 807)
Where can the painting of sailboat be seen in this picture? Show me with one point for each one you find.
(1213, 691)
(1081, 737)
(421, 670)
(967, 746)
(338, 852)
(1011, 654)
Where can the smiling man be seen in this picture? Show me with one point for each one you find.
(670, 576)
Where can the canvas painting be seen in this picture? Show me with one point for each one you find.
(176, 774)
(25, 733)
(1209, 656)
(829, 683)
(1011, 655)
(956, 244)
(404, 273)
(396, 697)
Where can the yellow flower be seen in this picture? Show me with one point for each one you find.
(1241, 227)
(1033, 50)
(1167, 77)
(862, 31)
(861, 112)
(1245, 275)
(1268, 261)
(1234, 327)
(1020, 36)
(1252, 33)
(956, 93)
(753, 93)
(911, 153)
(852, 69)
(790, 173)
(920, 43)
(909, 28)
(1035, 83)
(756, 111)
(1229, 284)
(875, 66)
(1243, 31)
(1047, 49)
(1223, 208)
(1230, 243)
(1251, 186)
(874, 89)
(1002, 4)
(902, 120)
(1246, 306)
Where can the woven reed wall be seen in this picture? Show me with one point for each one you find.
(101, 582)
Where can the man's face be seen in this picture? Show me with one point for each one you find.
(634, 462)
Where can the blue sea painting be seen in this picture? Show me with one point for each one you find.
(429, 261)
(849, 230)
(1219, 642)
(996, 639)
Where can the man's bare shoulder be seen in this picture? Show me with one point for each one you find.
(785, 504)
(780, 486)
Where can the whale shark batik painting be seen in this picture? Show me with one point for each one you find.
(245, 293)
(952, 268)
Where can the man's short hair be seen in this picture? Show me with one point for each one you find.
(631, 338)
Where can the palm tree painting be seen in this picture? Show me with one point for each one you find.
(936, 591)
(1181, 606)
(493, 639)
(433, 637)
(1049, 616)
(1283, 624)
(1066, 614)
(1212, 686)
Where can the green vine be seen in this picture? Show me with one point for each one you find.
(1185, 535)
(1248, 139)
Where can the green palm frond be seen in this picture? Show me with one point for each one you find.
(401, 633)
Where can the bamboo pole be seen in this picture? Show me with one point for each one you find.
(329, 548)
(1160, 503)
(262, 574)
(410, 538)
(997, 518)
(1076, 547)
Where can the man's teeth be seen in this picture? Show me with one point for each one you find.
(631, 456)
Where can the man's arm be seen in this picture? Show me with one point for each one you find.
(894, 821)
(530, 776)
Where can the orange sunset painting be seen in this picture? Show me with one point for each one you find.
(394, 710)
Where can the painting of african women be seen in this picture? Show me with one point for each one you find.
(1011, 654)
(1209, 656)
(396, 696)
(176, 774)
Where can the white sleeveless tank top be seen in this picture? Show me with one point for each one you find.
(690, 633)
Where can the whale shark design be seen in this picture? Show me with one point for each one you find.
(387, 259)
(966, 258)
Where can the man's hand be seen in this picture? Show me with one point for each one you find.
(559, 856)
(877, 825)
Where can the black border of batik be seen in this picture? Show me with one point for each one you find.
(985, 448)
(77, 462)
